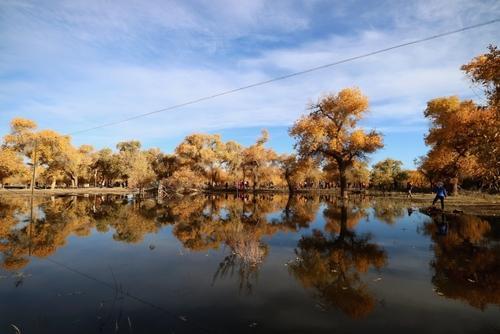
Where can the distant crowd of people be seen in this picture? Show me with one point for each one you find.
(245, 184)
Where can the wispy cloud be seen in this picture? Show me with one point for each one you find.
(75, 64)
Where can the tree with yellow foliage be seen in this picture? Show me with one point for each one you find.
(106, 167)
(294, 170)
(464, 137)
(77, 162)
(417, 178)
(10, 164)
(49, 148)
(358, 174)
(203, 153)
(257, 160)
(141, 173)
(330, 132)
(135, 165)
(451, 139)
(485, 70)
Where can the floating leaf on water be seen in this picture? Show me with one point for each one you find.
(471, 280)
(183, 318)
(440, 293)
(377, 279)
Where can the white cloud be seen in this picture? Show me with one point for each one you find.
(72, 65)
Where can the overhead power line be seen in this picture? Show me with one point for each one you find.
(290, 75)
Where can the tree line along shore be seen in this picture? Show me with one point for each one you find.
(331, 152)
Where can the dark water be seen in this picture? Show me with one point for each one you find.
(257, 265)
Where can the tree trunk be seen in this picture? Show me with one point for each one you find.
(74, 181)
(212, 178)
(343, 180)
(287, 207)
(53, 185)
(454, 183)
(343, 223)
(254, 180)
(244, 174)
(289, 182)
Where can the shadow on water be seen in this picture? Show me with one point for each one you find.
(330, 251)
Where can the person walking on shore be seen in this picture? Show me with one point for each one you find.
(409, 188)
(440, 194)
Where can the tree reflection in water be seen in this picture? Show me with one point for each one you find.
(58, 218)
(466, 250)
(299, 211)
(466, 260)
(330, 262)
(387, 210)
(240, 224)
(200, 223)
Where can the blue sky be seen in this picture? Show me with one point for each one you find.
(70, 65)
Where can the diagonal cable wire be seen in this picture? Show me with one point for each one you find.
(131, 296)
(290, 75)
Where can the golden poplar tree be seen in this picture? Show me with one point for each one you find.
(330, 133)
(452, 139)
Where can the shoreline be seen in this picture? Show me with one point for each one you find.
(474, 204)
(68, 192)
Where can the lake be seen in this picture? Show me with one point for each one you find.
(244, 264)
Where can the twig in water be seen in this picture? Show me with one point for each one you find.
(130, 325)
(18, 331)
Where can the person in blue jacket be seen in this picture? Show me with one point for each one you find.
(440, 194)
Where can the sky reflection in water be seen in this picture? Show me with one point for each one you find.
(219, 264)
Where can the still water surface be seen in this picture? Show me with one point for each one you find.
(265, 264)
